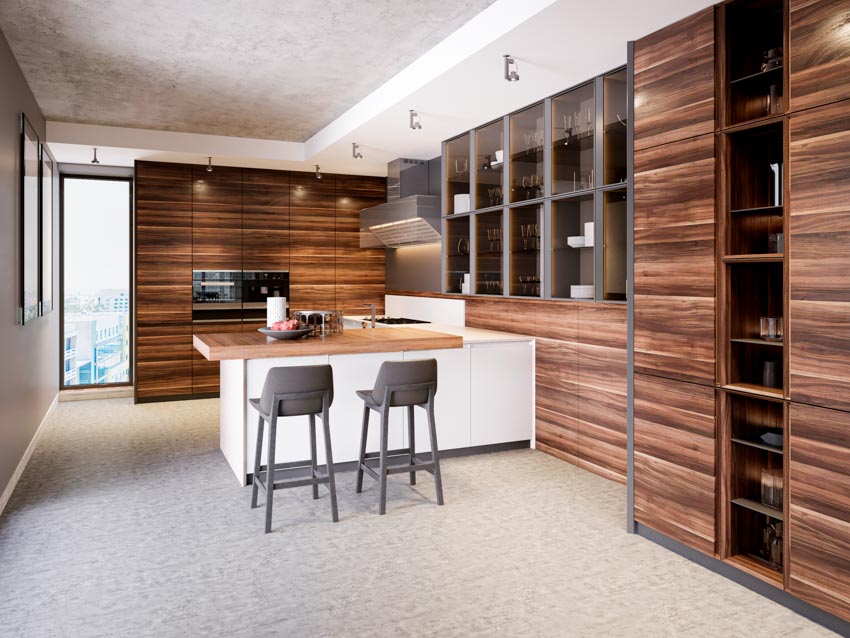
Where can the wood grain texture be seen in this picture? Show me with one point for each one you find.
(556, 389)
(219, 347)
(820, 52)
(675, 260)
(819, 511)
(819, 344)
(163, 361)
(675, 449)
(216, 218)
(206, 374)
(265, 220)
(556, 320)
(674, 81)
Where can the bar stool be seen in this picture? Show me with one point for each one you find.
(294, 391)
(400, 383)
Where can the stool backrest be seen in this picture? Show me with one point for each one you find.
(297, 380)
(401, 373)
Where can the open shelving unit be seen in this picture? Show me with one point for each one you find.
(752, 284)
(558, 164)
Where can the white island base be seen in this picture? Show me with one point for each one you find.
(485, 396)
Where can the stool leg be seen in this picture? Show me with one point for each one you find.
(258, 455)
(313, 465)
(385, 428)
(435, 455)
(270, 472)
(364, 431)
(411, 435)
(329, 459)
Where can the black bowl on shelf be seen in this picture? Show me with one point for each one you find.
(285, 335)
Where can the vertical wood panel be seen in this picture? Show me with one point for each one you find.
(312, 214)
(675, 469)
(217, 218)
(820, 52)
(674, 81)
(819, 345)
(819, 511)
(205, 374)
(265, 220)
(164, 361)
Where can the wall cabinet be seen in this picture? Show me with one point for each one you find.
(548, 196)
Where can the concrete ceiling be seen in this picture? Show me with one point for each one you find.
(264, 69)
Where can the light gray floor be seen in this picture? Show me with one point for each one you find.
(128, 522)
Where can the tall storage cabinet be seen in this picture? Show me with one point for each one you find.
(741, 304)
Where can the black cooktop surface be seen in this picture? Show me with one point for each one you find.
(398, 320)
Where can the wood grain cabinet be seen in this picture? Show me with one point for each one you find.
(163, 361)
(820, 256)
(820, 52)
(216, 218)
(205, 374)
(674, 81)
(265, 220)
(675, 450)
(820, 507)
(674, 260)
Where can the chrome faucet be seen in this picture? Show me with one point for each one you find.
(372, 306)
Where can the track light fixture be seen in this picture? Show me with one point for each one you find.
(94, 159)
(209, 165)
(318, 172)
(511, 75)
(355, 151)
(415, 120)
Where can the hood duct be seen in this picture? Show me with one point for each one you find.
(411, 216)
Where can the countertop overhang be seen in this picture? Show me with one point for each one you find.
(224, 346)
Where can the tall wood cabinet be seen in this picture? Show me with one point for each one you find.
(741, 445)
(188, 218)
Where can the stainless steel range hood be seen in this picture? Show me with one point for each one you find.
(411, 216)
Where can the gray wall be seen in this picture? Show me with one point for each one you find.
(414, 268)
(29, 368)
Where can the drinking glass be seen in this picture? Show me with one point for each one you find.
(770, 328)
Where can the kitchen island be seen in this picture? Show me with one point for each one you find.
(484, 395)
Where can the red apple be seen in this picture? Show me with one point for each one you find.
(277, 325)
(292, 324)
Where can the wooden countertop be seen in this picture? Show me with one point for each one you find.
(254, 345)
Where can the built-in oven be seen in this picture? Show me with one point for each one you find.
(216, 296)
(257, 286)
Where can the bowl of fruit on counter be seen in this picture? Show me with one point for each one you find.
(289, 329)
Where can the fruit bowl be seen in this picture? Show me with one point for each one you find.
(285, 335)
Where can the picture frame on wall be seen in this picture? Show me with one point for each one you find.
(30, 214)
(48, 172)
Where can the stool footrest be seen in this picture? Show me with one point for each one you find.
(317, 479)
(416, 466)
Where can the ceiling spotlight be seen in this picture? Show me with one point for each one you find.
(511, 75)
(94, 159)
(415, 122)
(209, 165)
(355, 151)
(318, 172)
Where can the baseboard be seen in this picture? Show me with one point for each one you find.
(90, 394)
(177, 397)
(13, 482)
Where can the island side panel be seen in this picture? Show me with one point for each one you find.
(232, 409)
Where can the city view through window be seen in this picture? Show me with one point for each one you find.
(96, 278)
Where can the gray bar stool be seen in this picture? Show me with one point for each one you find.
(295, 391)
(399, 384)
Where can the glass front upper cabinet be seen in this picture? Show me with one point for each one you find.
(489, 164)
(526, 240)
(573, 125)
(457, 253)
(527, 153)
(573, 238)
(615, 125)
(457, 175)
(488, 253)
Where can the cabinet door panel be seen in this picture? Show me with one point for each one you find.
(820, 52)
(674, 81)
(675, 449)
(163, 361)
(819, 511)
(217, 219)
(675, 260)
(205, 374)
(557, 428)
(819, 257)
(265, 220)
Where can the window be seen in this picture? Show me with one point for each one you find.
(96, 280)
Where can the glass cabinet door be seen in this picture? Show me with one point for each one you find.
(573, 247)
(457, 175)
(615, 125)
(457, 253)
(527, 154)
(488, 253)
(573, 125)
(526, 240)
(615, 230)
(489, 164)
